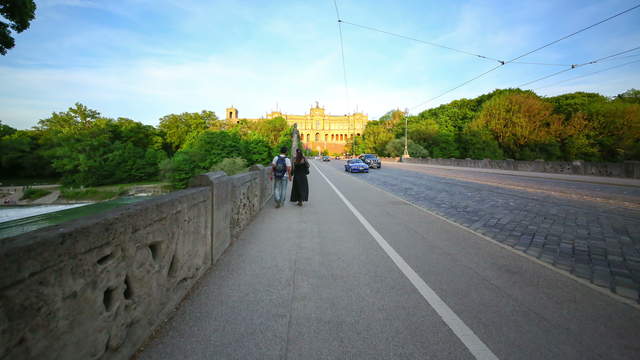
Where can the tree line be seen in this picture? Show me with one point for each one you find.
(514, 124)
(80, 147)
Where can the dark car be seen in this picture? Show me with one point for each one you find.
(372, 160)
(326, 158)
(356, 165)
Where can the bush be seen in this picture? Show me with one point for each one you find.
(480, 144)
(395, 148)
(33, 194)
(231, 166)
(179, 169)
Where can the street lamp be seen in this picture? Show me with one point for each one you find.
(353, 136)
(406, 139)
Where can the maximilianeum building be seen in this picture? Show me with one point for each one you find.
(318, 130)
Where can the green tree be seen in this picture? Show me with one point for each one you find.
(16, 16)
(21, 155)
(231, 166)
(6, 130)
(523, 124)
(480, 144)
(256, 150)
(87, 149)
(210, 148)
(376, 136)
(355, 145)
(631, 96)
(395, 148)
(271, 129)
(180, 168)
(617, 129)
(179, 128)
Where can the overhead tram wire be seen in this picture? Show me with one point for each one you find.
(621, 57)
(344, 71)
(575, 66)
(442, 46)
(344, 66)
(589, 74)
(420, 41)
(529, 53)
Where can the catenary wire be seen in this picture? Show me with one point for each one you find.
(529, 53)
(575, 66)
(344, 66)
(620, 57)
(419, 40)
(441, 46)
(589, 74)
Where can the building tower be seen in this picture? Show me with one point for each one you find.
(232, 115)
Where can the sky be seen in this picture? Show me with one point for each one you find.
(143, 59)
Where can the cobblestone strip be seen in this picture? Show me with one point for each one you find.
(591, 240)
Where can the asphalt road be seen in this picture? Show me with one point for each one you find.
(365, 275)
(591, 230)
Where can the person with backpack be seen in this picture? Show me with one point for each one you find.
(281, 166)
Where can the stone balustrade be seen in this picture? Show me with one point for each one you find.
(97, 287)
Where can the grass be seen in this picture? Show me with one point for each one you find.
(104, 192)
(90, 194)
(33, 194)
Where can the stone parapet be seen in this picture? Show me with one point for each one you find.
(97, 287)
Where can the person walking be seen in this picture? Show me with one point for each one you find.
(300, 187)
(281, 167)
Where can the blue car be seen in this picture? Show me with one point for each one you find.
(356, 165)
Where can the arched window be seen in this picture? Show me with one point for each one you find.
(301, 137)
(308, 137)
(317, 136)
(326, 137)
(332, 137)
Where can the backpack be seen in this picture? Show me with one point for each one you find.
(281, 167)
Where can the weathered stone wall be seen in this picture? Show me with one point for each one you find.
(627, 169)
(96, 287)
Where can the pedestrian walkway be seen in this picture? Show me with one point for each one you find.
(317, 283)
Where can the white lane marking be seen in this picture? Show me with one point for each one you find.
(477, 348)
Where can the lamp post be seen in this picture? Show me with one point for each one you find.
(353, 136)
(406, 140)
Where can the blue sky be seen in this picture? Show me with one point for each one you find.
(143, 59)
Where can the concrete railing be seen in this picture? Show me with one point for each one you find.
(97, 287)
(627, 169)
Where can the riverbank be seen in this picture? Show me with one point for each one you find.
(58, 195)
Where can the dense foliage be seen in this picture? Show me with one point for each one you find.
(83, 148)
(15, 15)
(516, 124)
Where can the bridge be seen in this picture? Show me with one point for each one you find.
(409, 261)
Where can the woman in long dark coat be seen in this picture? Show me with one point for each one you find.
(300, 188)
